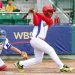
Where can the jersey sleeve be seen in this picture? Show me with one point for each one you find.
(7, 45)
(36, 20)
(47, 20)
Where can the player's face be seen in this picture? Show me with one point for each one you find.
(2, 36)
(50, 13)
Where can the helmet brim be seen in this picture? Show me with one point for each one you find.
(52, 10)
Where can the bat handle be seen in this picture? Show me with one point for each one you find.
(26, 15)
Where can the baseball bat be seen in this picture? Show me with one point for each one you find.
(25, 15)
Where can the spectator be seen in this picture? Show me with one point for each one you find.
(10, 6)
(1, 6)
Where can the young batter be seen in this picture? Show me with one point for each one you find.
(4, 44)
(42, 22)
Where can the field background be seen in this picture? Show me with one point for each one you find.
(47, 67)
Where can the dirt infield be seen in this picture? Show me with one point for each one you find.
(48, 67)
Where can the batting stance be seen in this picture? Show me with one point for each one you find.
(41, 24)
(4, 44)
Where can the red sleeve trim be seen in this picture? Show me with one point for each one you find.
(36, 20)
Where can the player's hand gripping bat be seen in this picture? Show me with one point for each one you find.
(30, 11)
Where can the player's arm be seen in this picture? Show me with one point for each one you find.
(15, 49)
(10, 47)
(36, 19)
(41, 16)
(23, 54)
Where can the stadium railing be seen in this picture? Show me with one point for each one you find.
(13, 18)
(16, 18)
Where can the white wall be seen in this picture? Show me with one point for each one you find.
(65, 4)
(24, 5)
(38, 4)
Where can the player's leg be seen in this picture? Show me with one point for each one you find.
(3, 67)
(37, 59)
(27, 63)
(42, 45)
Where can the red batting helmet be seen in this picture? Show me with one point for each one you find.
(48, 7)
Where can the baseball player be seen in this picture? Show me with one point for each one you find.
(4, 44)
(42, 22)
